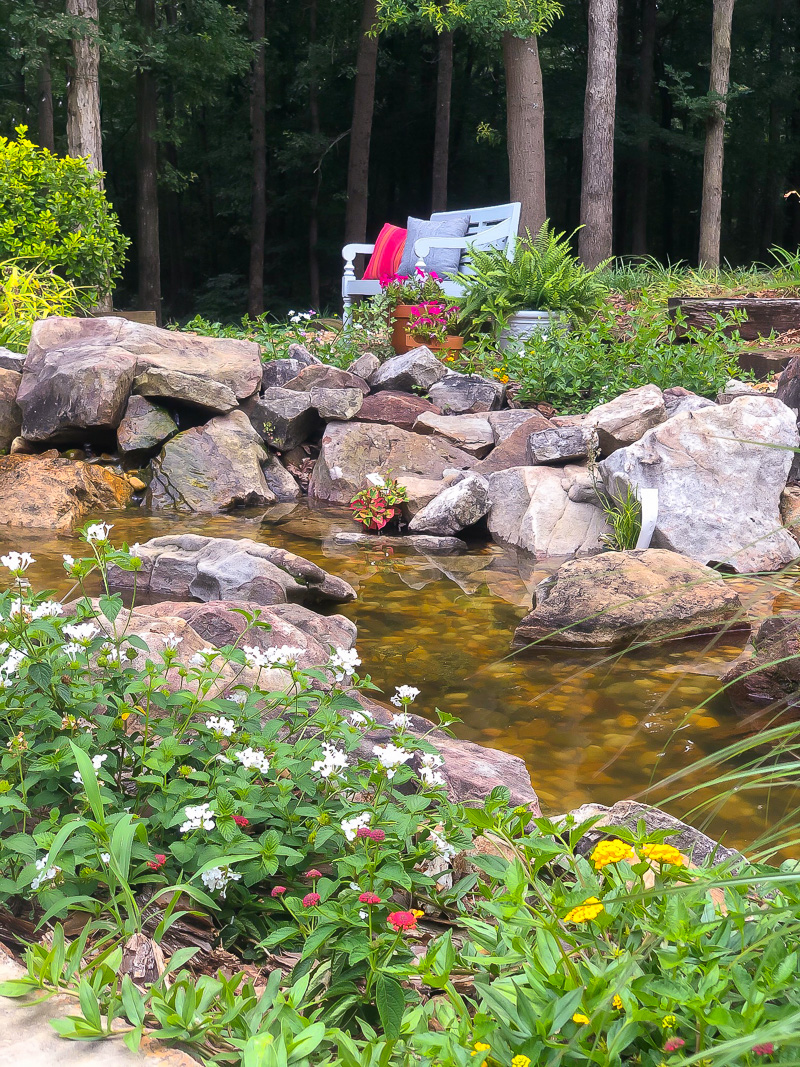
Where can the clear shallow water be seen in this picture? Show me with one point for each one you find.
(591, 726)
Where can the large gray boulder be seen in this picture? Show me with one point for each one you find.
(617, 598)
(465, 394)
(144, 426)
(622, 420)
(418, 369)
(160, 383)
(470, 433)
(455, 508)
(719, 473)
(284, 418)
(531, 509)
(10, 414)
(187, 566)
(79, 372)
(213, 468)
(352, 450)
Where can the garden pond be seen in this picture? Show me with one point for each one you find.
(591, 726)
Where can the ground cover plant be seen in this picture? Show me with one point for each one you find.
(394, 925)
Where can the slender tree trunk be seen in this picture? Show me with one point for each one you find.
(355, 223)
(313, 215)
(525, 128)
(775, 172)
(711, 207)
(640, 177)
(147, 173)
(258, 128)
(45, 89)
(597, 180)
(83, 88)
(441, 138)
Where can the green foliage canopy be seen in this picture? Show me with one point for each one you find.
(53, 211)
(486, 18)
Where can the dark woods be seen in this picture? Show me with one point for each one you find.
(228, 131)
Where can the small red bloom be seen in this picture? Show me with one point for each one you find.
(310, 900)
(313, 873)
(674, 1044)
(157, 862)
(377, 835)
(767, 1049)
(363, 831)
(369, 898)
(240, 820)
(402, 920)
(278, 891)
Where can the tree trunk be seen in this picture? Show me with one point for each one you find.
(147, 173)
(597, 178)
(640, 177)
(258, 128)
(775, 167)
(83, 88)
(525, 128)
(711, 207)
(46, 134)
(313, 215)
(355, 224)
(441, 137)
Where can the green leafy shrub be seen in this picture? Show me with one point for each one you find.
(53, 211)
(544, 275)
(30, 293)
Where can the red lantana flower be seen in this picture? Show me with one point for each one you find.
(363, 831)
(157, 862)
(278, 891)
(369, 898)
(402, 920)
(310, 900)
(376, 835)
(313, 873)
(240, 820)
(674, 1044)
(767, 1049)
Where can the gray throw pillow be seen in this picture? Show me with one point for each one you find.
(440, 260)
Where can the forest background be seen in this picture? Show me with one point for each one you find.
(197, 177)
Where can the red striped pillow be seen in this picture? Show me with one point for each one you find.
(388, 252)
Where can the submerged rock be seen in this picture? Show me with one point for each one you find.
(767, 675)
(352, 450)
(425, 543)
(617, 598)
(221, 568)
(719, 473)
(50, 492)
(215, 467)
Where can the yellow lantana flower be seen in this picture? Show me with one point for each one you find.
(617, 1002)
(663, 854)
(479, 1046)
(612, 852)
(579, 1017)
(521, 1061)
(585, 912)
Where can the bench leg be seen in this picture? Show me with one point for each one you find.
(347, 312)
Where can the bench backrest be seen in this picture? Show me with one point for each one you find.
(481, 218)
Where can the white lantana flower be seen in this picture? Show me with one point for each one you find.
(72, 651)
(171, 641)
(135, 551)
(343, 663)
(47, 609)
(82, 633)
(17, 562)
(69, 563)
(10, 666)
(99, 532)
(239, 697)
(198, 817)
(253, 759)
(219, 878)
(391, 756)
(428, 771)
(219, 724)
(441, 847)
(350, 827)
(105, 857)
(285, 656)
(405, 694)
(204, 657)
(401, 721)
(97, 763)
(362, 718)
(332, 763)
(47, 872)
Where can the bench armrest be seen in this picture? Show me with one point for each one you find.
(349, 253)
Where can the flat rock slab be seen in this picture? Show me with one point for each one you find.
(470, 433)
(719, 473)
(531, 508)
(49, 492)
(321, 376)
(217, 467)
(160, 383)
(424, 543)
(352, 450)
(622, 420)
(188, 566)
(614, 599)
(399, 409)
(79, 372)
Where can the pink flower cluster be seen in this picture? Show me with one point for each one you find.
(373, 835)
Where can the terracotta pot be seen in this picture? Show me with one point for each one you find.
(450, 344)
(400, 317)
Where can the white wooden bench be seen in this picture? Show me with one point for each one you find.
(496, 226)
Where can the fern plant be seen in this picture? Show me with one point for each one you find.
(543, 275)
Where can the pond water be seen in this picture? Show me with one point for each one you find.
(591, 726)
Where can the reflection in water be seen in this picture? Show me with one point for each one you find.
(591, 726)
